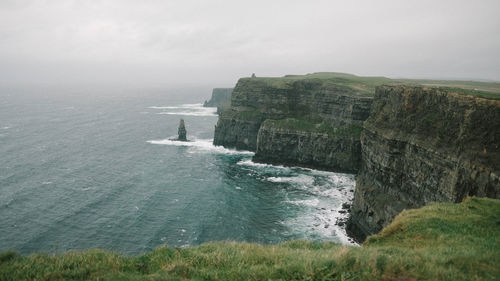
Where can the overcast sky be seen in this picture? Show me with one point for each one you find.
(218, 41)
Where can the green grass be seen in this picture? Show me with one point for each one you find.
(484, 89)
(484, 94)
(438, 242)
(366, 85)
(361, 85)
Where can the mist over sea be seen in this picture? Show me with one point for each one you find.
(93, 167)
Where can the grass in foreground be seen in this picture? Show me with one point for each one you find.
(438, 242)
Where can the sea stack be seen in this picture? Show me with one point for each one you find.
(182, 131)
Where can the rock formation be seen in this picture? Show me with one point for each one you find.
(182, 131)
(296, 120)
(421, 145)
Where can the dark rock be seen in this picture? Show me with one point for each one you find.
(346, 205)
(182, 131)
(423, 145)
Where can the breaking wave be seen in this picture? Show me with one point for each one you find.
(201, 145)
(304, 180)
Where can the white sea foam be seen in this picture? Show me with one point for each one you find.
(303, 180)
(191, 113)
(308, 202)
(249, 162)
(201, 145)
(319, 223)
(6, 128)
(195, 109)
(342, 179)
(333, 192)
(164, 107)
(320, 207)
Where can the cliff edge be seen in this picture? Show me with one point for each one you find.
(422, 145)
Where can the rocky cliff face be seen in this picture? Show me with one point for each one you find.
(297, 121)
(337, 150)
(421, 145)
(220, 96)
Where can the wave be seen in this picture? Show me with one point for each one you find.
(186, 113)
(308, 202)
(319, 221)
(319, 197)
(201, 145)
(249, 162)
(342, 179)
(300, 179)
(191, 109)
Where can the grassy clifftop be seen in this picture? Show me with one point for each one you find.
(367, 84)
(438, 242)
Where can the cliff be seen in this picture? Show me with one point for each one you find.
(423, 145)
(311, 120)
(295, 142)
(220, 96)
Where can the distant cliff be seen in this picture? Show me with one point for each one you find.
(421, 145)
(219, 97)
(311, 120)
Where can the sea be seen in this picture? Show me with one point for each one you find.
(95, 167)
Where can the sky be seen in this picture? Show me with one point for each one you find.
(218, 41)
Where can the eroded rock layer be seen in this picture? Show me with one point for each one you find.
(336, 150)
(421, 145)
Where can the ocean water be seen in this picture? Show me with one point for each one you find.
(92, 167)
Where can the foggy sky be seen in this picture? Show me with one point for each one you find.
(218, 41)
